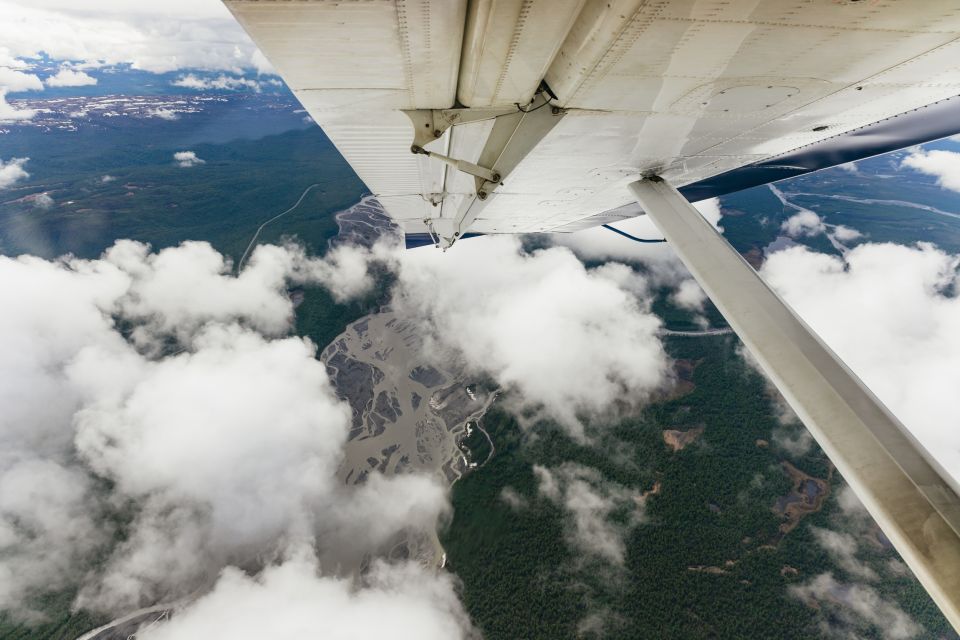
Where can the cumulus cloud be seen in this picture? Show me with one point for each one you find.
(843, 548)
(591, 502)
(710, 209)
(806, 223)
(855, 608)
(890, 312)
(12, 171)
(11, 81)
(220, 83)
(42, 201)
(659, 262)
(846, 234)
(181, 35)
(943, 165)
(190, 415)
(187, 159)
(512, 498)
(163, 113)
(261, 64)
(571, 342)
(803, 223)
(293, 599)
(67, 77)
(345, 269)
(7, 59)
(689, 295)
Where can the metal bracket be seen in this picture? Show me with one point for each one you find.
(461, 165)
(516, 131)
(430, 124)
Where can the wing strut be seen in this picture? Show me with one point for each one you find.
(904, 489)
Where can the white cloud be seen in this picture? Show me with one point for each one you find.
(710, 209)
(850, 167)
(261, 64)
(9, 113)
(789, 435)
(513, 499)
(571, 342)
(12, 81)
(944, 165)
(67, 77)
(659, 261)
(208, 428)
(220, 83)
(891, 313)
(164, 114)
(846, 234)
(344, 271)
(12, 171)
(689, 295)
(178, 35)
(403, 602)
(854, 606)
(187, 159)
(9, 60)
(591, 502)
(803, 223)
(42, 201)
(843, 548)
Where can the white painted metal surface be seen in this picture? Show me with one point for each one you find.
(508, 47)
(902, 488)
(686, 89)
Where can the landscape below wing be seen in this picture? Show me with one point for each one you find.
(686, 89)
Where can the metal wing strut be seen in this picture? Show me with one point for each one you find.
(904, 489)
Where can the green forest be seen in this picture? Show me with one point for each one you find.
(706, 561)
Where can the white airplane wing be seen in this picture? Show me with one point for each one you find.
(687, 89)
(512, 116)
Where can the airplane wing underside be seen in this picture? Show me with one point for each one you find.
(686, 89)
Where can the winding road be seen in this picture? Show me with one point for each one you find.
(149, 615)
(253, 240)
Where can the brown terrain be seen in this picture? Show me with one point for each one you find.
(806, 497)
(677, 440)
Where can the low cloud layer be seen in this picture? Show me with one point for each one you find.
(570, 341)
(158, 393)
(943, 165)
(12, 171)
(659, 262)
(179, 35)
(222, 83)
(853, 609)
(294, 600)
(67, 77)
(891, 313)
(186, 159)
(591, 503)
(12, 80)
